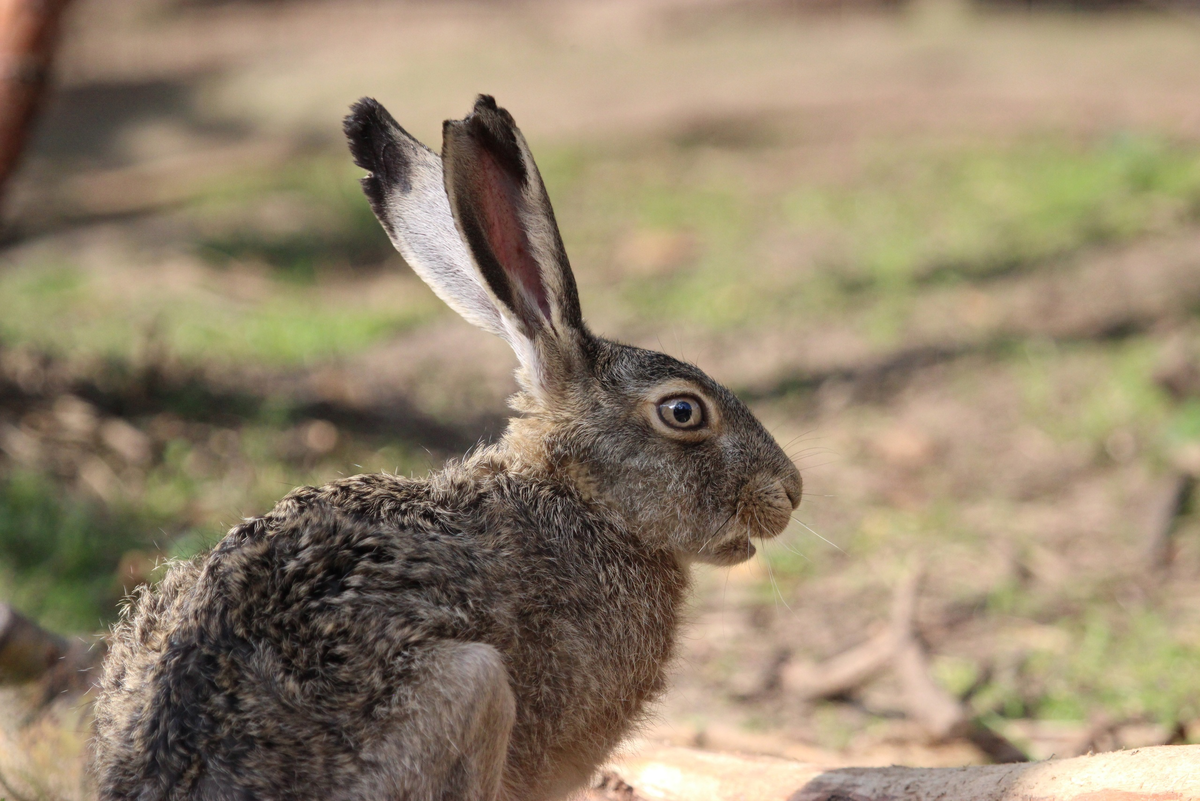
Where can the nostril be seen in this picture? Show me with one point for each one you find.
(793, 485)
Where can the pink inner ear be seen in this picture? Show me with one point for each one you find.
(499, 198)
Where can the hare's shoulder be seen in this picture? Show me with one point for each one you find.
(327, 555)
(321, 550)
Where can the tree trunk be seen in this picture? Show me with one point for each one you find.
(28, 35)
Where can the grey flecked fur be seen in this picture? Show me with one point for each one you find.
(491, 631)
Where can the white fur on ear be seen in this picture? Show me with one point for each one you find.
(423, 230)
(407, 191)
(408, 195)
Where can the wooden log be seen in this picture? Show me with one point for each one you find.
(667, 773)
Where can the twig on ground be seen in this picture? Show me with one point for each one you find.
(938, 713)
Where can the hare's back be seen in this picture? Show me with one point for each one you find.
(278, 656)
(305, 621)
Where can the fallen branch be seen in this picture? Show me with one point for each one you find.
(900, 649)
(841, 674)
(663, 773)
(940, 714)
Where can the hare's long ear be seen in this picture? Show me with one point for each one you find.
(406, 192)
(502, 210)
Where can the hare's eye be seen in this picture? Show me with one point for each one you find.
(682, 412)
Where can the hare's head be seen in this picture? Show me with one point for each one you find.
(673, 452)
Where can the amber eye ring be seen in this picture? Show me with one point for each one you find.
(682, 412)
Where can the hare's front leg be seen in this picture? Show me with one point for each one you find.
(453, 741)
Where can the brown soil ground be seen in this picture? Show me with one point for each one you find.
(964, 442)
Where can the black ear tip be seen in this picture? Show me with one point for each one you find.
(490, 123)
(365, 114)
(364, 106)
(367, 127)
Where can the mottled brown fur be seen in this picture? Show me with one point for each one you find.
(491, 631)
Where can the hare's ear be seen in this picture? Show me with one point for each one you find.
(406, 192)
(505, 217)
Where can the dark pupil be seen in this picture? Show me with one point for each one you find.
(682, 411)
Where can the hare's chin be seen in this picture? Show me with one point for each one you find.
(732, 552)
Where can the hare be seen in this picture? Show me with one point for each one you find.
(491, 631)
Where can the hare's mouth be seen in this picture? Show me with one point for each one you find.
(732, 552)
(762, 511)
(738, 546)
(765, 513)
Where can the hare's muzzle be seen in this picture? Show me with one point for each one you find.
(765, 505)
(793, 487)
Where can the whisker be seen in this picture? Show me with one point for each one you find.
(818, 536)
(805, 435)
(717, 533)
(813, 450)
(815, 466)
(809, 500)
(790, 549)
(724, 592)
(771, 575)
(794, 439)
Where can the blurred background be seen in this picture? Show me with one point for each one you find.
(949, 251)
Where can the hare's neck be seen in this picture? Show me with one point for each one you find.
(527, 446)
(530, 447)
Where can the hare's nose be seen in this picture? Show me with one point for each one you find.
(793, 485)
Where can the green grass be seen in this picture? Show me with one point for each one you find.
(1087, 391)
(1128, 665)
(909, 216)
(291, 325)
(293, 292)
(331, 226)
(984, 211)
(60, 552)
(60, 555)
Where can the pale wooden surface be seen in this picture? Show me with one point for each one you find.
(668, 773)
